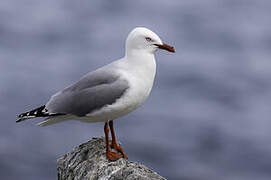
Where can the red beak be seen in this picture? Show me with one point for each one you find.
(166, 47)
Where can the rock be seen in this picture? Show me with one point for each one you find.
(88, 162)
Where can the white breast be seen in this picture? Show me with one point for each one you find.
(140, 80)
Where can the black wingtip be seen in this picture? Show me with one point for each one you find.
(38, 112)
(19, 120)
(21, 117)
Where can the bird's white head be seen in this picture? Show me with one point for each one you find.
(144, 40)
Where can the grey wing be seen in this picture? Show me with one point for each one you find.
(93, 91)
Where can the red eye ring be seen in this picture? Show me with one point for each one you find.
(148, 39)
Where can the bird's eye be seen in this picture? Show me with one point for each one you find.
(148, 39)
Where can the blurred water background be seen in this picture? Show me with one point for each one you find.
(208, 116)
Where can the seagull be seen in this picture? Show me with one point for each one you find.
(109, 92)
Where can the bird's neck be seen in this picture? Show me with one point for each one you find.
(143, 63)
(141, 58)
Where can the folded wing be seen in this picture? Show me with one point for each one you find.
(94, 91)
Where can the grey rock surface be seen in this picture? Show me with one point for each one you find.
(88, 162)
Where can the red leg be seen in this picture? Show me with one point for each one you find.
(112, 156)
(114, 141)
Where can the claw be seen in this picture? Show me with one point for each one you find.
(113, 156)
(119, 149)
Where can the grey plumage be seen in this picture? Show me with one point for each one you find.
(95, 90)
